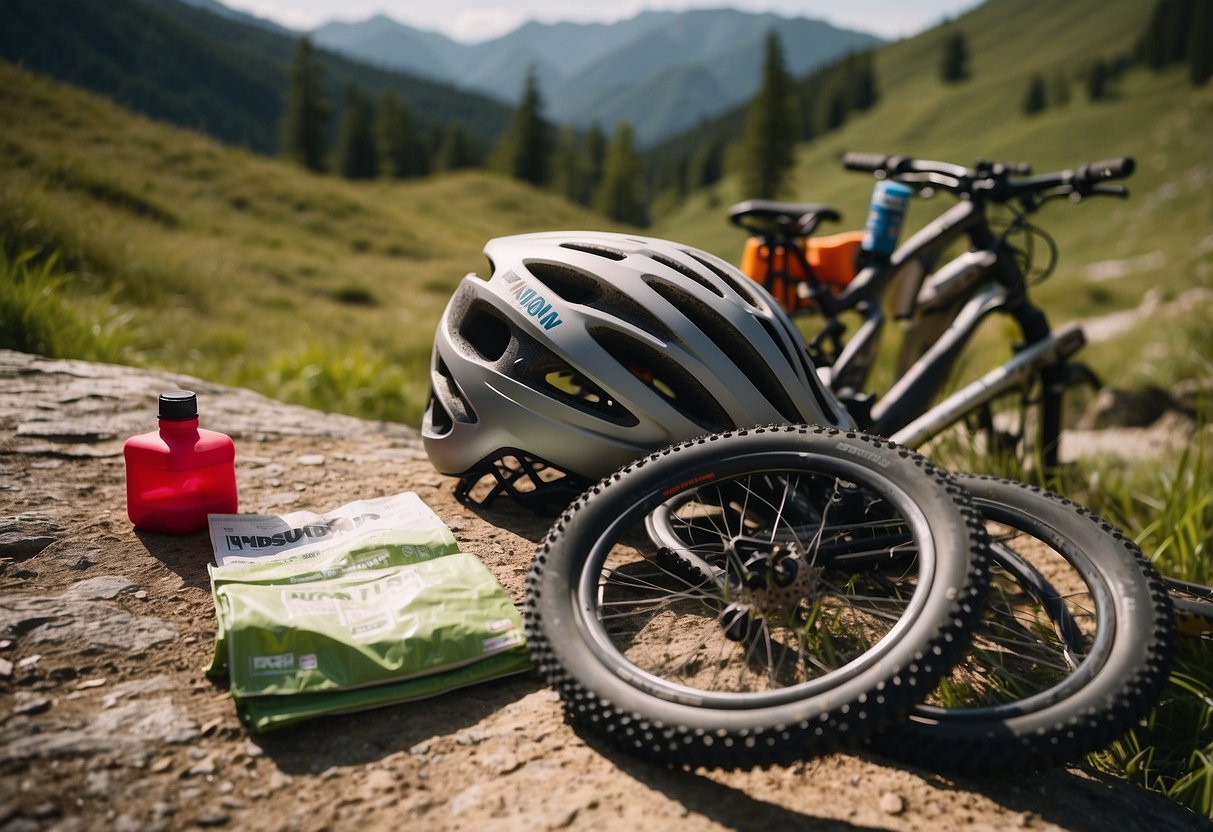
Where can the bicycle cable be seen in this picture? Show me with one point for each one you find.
(1024, 251)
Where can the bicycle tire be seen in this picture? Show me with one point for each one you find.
(608, 610)
(1024, 705)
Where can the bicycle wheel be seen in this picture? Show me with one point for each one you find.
(811, 586)
(1073, 648)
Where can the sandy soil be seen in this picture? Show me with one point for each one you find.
(108, 722)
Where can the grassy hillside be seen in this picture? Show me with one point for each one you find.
(209, 260)
(1159, 237)
(214, 73)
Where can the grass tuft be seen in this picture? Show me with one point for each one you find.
(37, 316)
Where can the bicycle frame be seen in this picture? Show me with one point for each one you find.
(983, 280)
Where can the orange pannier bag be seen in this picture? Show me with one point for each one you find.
(831, 258)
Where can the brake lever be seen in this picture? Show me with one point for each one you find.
(1078, 194)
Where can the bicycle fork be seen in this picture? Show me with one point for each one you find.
(904, 413)
(1038, 357)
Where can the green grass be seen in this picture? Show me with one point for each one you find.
(1172, 753)
(240, 269)
(1171, 508)
(37, 317)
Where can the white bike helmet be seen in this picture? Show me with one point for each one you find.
(586, 350)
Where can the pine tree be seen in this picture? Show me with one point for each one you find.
(835, 111)
(1035, 101)
(567, 174)
(1151, 49)
(1177, 29)
(454, 150)
(397, 150)
(593, 157)
(955, 65)
(706, 165)
(620, 195)
(307, 111)
(1169, 36)
(522, 151)
(1200, 44)
(1097, 80)
(859, 79)
(355, 141)
(769, 147)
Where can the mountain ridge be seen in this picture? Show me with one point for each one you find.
(579, 65)
(219, 74)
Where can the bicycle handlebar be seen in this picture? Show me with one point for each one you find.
(994, 181)
(868, 162)
(1121, 168)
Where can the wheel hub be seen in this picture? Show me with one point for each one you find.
(775, 582)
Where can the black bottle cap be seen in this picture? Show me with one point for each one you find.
(178, 406)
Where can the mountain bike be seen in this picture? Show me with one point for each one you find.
(743, 599)
(942, 299)
(941, 306)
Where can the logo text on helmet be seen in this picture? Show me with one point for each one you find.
(533, 303)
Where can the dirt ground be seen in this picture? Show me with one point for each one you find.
(107, 720)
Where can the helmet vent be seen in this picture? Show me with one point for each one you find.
(485, 332)
(447, 402)
(439, 417)
(609, 253)
(688, 273)
(586, 289)
(799, 357)
(571, 386)
(570, 284)
(799, 361)
(738, 286)
(740, 351)
(665, 377)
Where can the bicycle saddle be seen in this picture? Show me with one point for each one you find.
(790, 219)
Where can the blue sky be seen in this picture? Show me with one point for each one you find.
(476, 20)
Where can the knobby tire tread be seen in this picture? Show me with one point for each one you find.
(839, 727)
(1123, 692)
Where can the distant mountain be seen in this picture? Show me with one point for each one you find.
(199, 64)
(564, 47)
(381, 41)
(662, 71)
(221, 74)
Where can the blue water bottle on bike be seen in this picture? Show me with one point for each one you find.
(885, 214)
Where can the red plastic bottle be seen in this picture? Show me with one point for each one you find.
(179, 474)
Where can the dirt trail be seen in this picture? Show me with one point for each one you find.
(107, 721)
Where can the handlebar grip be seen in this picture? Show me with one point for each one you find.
(864, 161)
(1109, 169)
